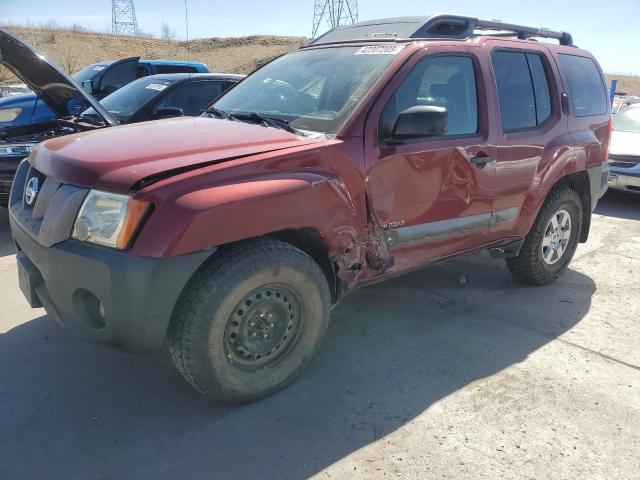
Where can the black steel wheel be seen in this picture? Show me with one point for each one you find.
(250, 320)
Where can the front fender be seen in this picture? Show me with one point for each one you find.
(253, 207)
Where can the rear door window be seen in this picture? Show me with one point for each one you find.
(523, 89)
(586, 87)
(175, 69)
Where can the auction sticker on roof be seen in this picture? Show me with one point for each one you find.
(380, 50)
(156, 86)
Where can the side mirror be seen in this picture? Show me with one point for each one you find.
(419, 122)
(168, 112)
(87, 86)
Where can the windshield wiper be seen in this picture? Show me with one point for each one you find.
(280, 123)
(91, 118)
(219, 113)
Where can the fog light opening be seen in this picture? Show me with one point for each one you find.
(90, 310)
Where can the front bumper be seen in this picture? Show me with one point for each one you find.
(137, 294)
(627, 179)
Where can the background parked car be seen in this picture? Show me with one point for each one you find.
(12, 89)
(76, 110)
(99, 80)
(624, 157)
(163, 96)
(623, 100)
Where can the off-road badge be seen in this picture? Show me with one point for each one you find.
(380, 50)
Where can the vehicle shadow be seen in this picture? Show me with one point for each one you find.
(6, 244)
(619, 204)
(81, 411)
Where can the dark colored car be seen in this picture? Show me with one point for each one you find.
(99, 80)
(148, 98)
(379, 148)
(163, 96)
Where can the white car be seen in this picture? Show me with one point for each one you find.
(624, 157)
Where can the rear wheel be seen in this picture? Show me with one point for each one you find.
(250, 321)
(552, 241)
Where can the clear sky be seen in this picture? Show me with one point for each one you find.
(611, 30)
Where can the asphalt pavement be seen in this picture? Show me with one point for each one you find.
(455, 371)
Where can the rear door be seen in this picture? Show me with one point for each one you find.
(433, 197)
(116, 75)
(532, 131)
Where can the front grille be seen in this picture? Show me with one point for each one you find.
(50, 219)
(624, 161)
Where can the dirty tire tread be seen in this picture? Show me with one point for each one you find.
(528, 267)
(191, 320)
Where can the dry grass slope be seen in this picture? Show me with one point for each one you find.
(73, 49)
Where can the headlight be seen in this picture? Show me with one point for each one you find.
(9, 114)
(16, 150)
(109, 219)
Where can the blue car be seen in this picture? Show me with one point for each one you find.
(99, 80)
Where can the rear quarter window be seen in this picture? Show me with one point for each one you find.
(586, 87)
(175, 69)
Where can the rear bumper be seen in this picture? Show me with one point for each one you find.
(598, 183)
(137, 294)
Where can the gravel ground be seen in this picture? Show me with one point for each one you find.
(425, 376)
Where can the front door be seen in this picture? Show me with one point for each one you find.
(117, 75)
(433, 196)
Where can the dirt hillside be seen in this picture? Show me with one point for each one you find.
(73, 49)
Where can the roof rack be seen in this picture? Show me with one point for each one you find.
(440, 26)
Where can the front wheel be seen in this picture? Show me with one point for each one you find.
(552, 241)
(250, 321)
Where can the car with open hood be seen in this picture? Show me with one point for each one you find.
(148, 98)
(379, 148)
(98, 79)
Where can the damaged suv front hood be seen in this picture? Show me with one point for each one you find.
(57, 89)
(118, 158)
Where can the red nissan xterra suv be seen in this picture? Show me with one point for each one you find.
(380, 147)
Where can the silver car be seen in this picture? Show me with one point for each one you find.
(624, 157)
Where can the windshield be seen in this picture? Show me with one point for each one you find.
(88, 72)
(627, 120)
(314, 90)
(128, 100)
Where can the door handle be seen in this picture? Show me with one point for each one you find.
(481, 160)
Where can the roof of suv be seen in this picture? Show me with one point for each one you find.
(434, 27)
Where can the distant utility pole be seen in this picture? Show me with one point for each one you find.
(333, 13)
(123, 17)
(186, 22)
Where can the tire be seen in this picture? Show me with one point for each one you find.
(536, 263)
(250, 321)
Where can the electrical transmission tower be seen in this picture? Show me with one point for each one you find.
(123, 17)
(333, 13)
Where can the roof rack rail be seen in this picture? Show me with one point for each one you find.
(439, 26)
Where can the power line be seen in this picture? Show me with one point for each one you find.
(333, 13)
(123, 18)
